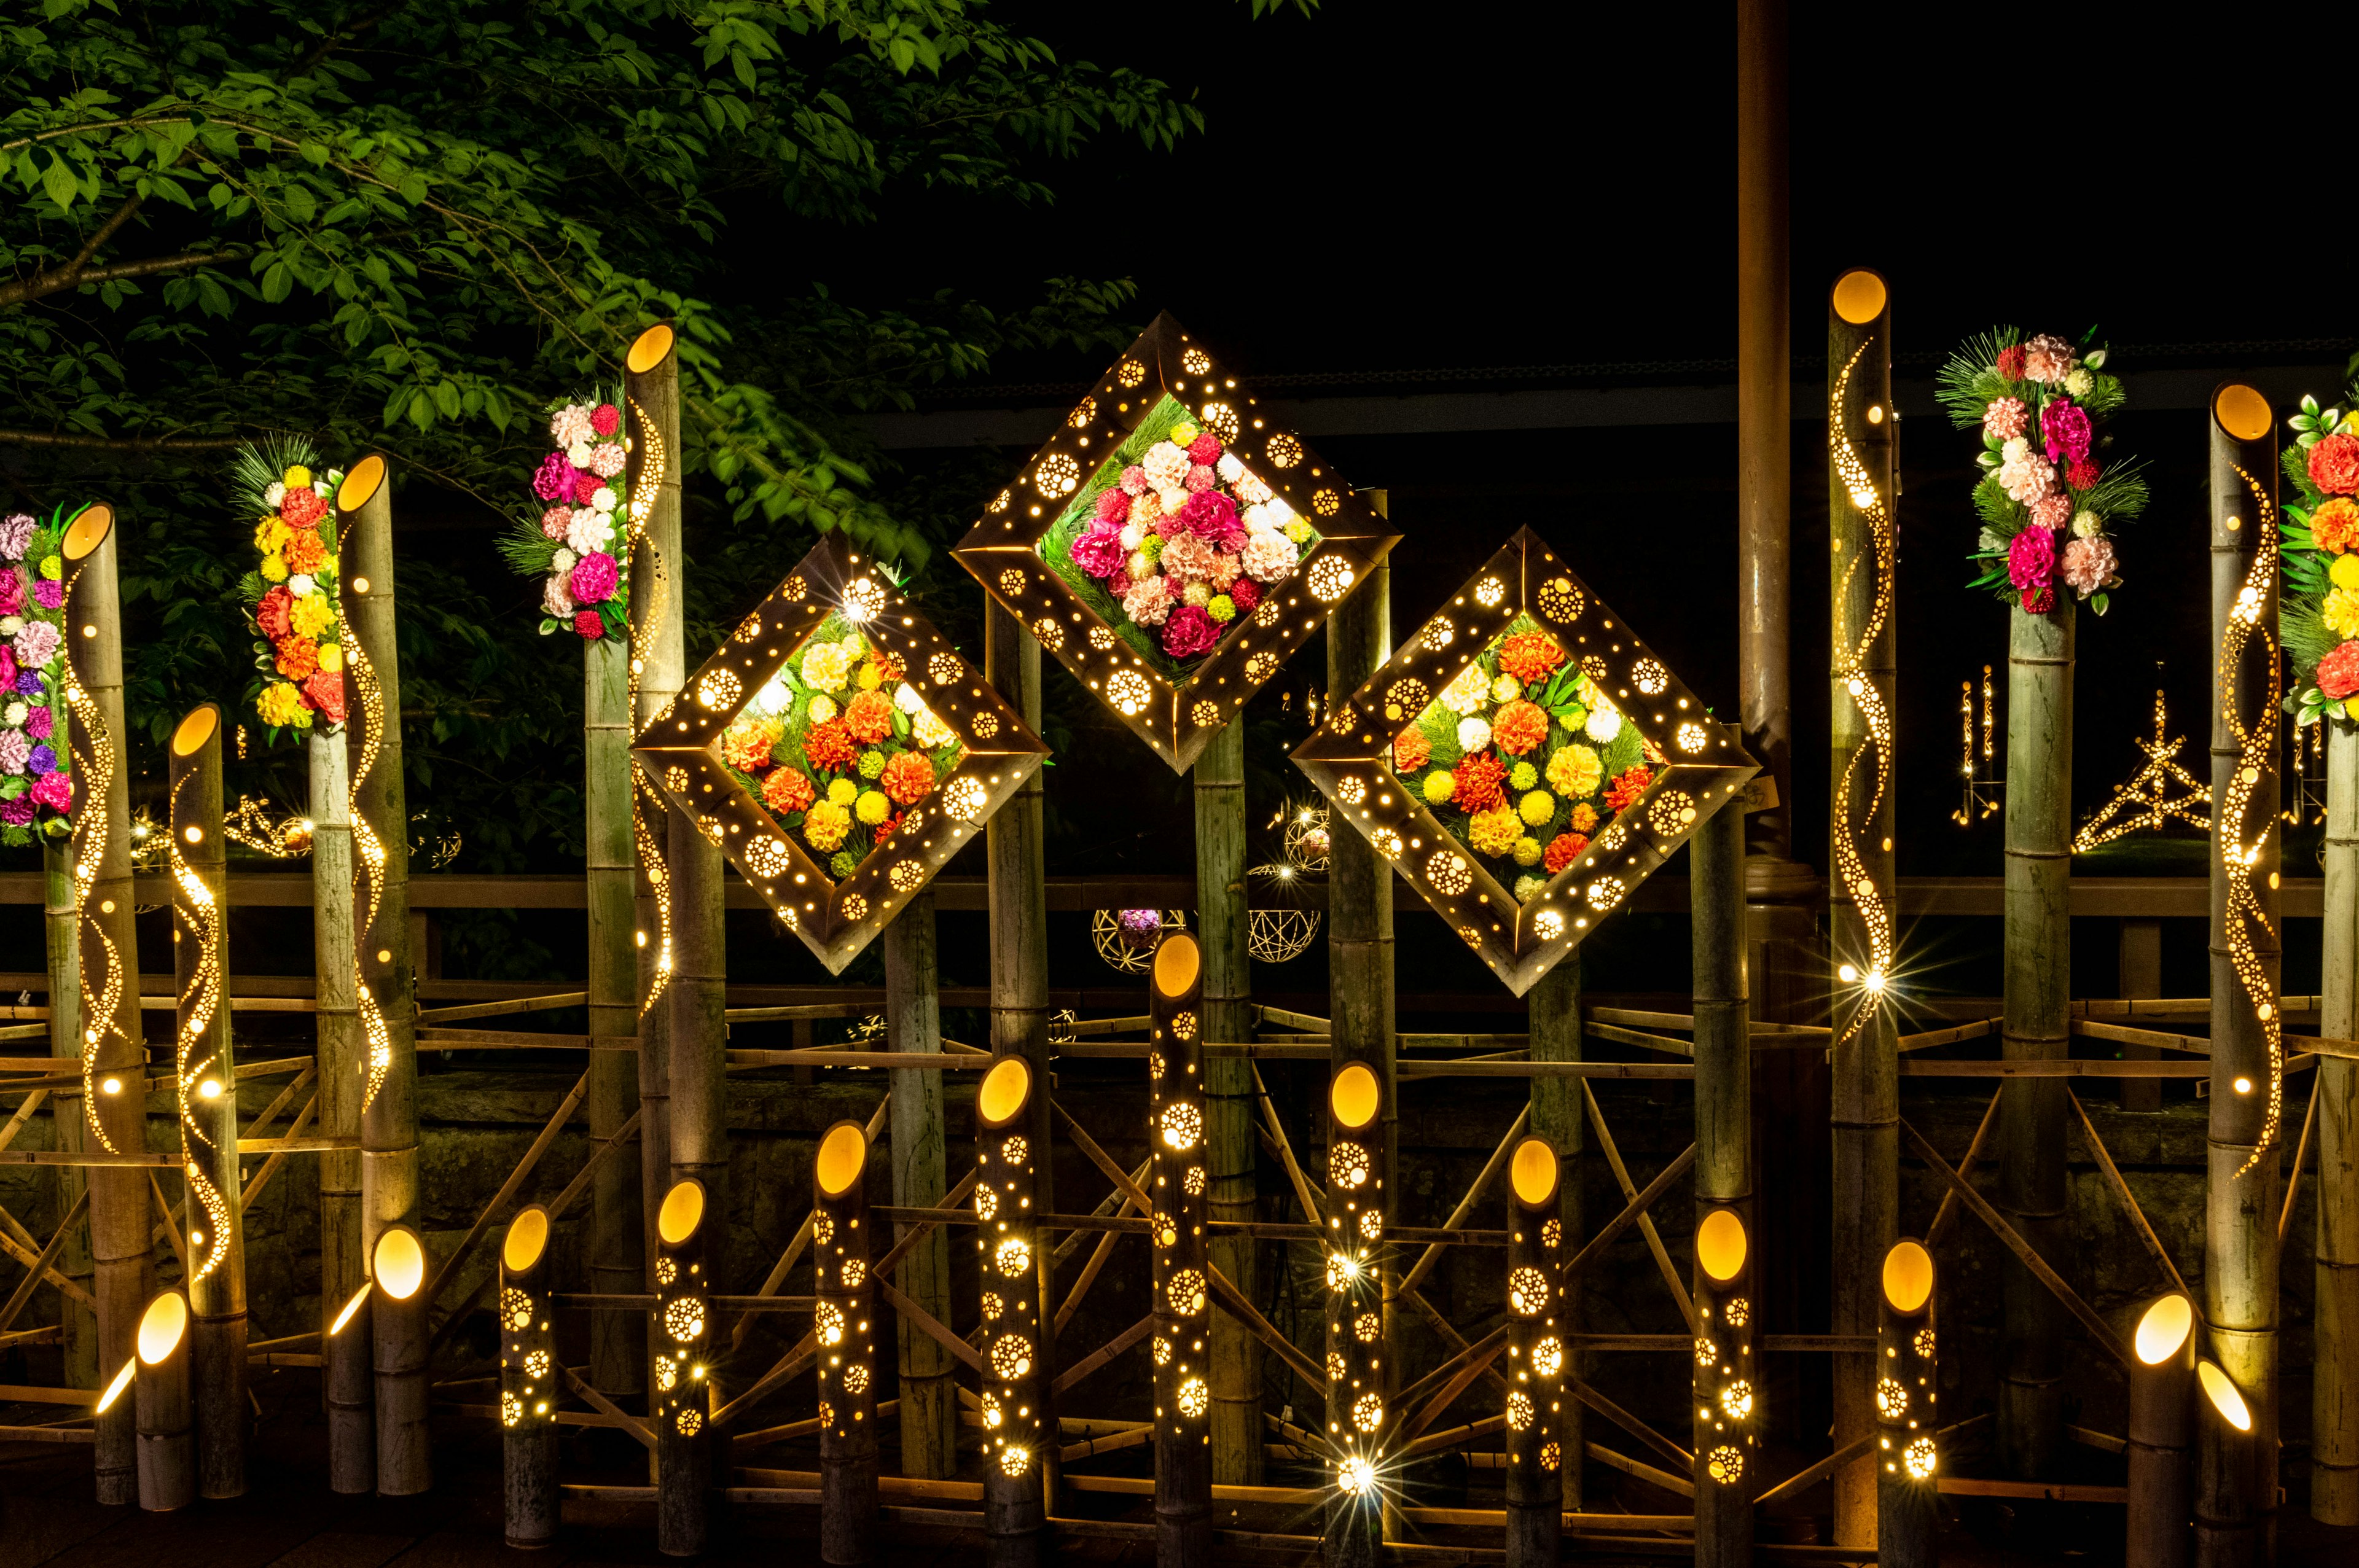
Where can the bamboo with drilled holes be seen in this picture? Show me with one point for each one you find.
(2162, 1412)
(1538, 1357)
(528, 1383)
(1907, 1409)
(205, 1075)
(123, 1272)
(1723, 1187)
(1557, 1119)
(1186, 1349)
(1230, 1155)
(845, 1325)
(928, 1411)
(680, 1404)
(1020, 1422)
(2334, 1386)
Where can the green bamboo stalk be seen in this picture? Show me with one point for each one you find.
(60, 922)
(913, 1020)
(2334, 1389)
(1231, 1150)
(1557, 1119)
(1723, 1168)
(618, 1346)
(348, 1377)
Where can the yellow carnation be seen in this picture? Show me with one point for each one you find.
(1575, 770)
(2344, 572)
(1439, 785)
(1527, 851)
(270, 535)
(331, 657)
(281, 705)
(311, 614)
(842, 792)
(297, 478)
(825, 823)
(274, 569)
(872, 807)
(1494, 832)
(1538, 808)
(869, 679)
(2342, 612)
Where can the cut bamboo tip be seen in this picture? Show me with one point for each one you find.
(1534, 1173)
(360, 484)
(2242, 411)
(400, 1262)
(1177, 960)
(351, 1307)
(2222, 1392)
(843, 1158)
(1353, 1096)
(89, 530)
(1721, 1245)
(1859, 297)
(195, 730)
(651, 350)
(2163, 1328)
(1907, 1277)
(527, 1238)
(162, 1326)
(682, 1212)
(115, 1389)
(1006, 1088)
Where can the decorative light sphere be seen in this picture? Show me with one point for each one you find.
(1186, 1293)
(1527, 1291)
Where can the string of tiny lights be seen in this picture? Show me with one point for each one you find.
(1870, 900)
(2256, 756)
(369, 856)
(97, 773)
(199, 1005)
(644, 795)
(1982, 788)
(2148, 794)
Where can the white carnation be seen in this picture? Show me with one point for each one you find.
(905, 699)
(772, 699)
(274, 494)
(563, 560)
(2014, 451)
(577, 454)
(604, 499)
(14, 715)
(302, 584)
(1473, 734)
(1603, 724)
(1228, 467)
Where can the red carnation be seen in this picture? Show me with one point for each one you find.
(588, 626)
(2334, 465)
(1113, 507)
(276, 613)
(1244, 593)
(827, 745)
(2338, 672)
(1563, 851)
(302, 507)
(326, 691)
(2039, 600)
(605, 418)
(1627, 787)
(1479, 777)
(585, 485)
(1205, 448)
(2082, 475)
(2011, 362)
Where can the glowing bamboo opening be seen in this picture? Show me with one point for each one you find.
(2225, 1396)
(2163, 1329)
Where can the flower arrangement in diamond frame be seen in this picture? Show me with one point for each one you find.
(1173, 539)
(840, 746)
(35, 764)
(2046, 500)
(2318, 607)
(573, 540)
(1522, 757)
(292, 595)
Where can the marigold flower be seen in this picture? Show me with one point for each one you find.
(1494, 832)
(2341, 613)
(872, 808)
(868, 717)
(1439, 785)
(1575, 770)
(825, 823)
(1527, 850)
(1563, 851)
(907, 778)
(828, 746)
(1583, 818)
(281, 705)
(1479, 778)
(311, 614)
(271, 534)
(1530, 656)
(1628, 785)
(297, 656)
(304, 552)
(331, 657)
(1536, 807)
(2335, 527)
(1518, 727)
(788, 789)
(1412, 751)
(746, 746)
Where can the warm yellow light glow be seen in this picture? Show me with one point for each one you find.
(1721, 1245)
(360, 485)
(1907, 1276)
(1176, 964)
(2243, 1085)
(190, 735)
(88, 530)
(351, 1307)
(111, 1086)
(401, 1263)
(1355, 1097)
(115, 1389)
(682, 1212)
(1533, 1172)
(1848, 974)
(1005, 1090)
(1859, 297)
(527, 1238)
(649, 350)
(842, 1159)
(2164, 1327)
(1355, 1475)
(2225, 1397)
(162, 1326)
(210, 1089)
(2242, 411)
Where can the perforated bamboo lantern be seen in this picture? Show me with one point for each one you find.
(1178, 1182)
(2162, 1394)
(1012, 1507)
(681, 1402)
(397, 1332)
(1906, 1390)
(1537, 1358)
(2228, 1439)
(1358, 1191)
(1727, 1385)
(167, 1444)
(529, 1393)
(847, 1347)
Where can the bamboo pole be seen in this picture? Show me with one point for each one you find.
(205, 1090)
(528, 1396)
(113, 1047)
(384, 985)
(2236, 1472)
(2335, 1097)
(2031, 1123)
(1361, 1368)
(681, 1408)
(1179, 1133)
(1729, 1417)
(2160, 1408)
(1765, 352)
(1863, 545)
(1907, 1395)
(162, 1407)
(1231, 1157)
(1022, 1422)
(1536, 1340)
(617, 1349)
(1557, 1121)
(60, 922)
(847, 1341)
(913, 1019)
(658, 667)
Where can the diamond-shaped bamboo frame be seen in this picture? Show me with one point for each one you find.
(1350, 759)
(1003, 547)
(680, 749)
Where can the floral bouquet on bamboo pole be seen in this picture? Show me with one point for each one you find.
(572, 538)
(291, 596)
(2318, 607)
(2049, 498)
(36, 764)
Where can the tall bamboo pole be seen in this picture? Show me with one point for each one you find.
(1537, 1354)
(387, 989)
(846, 1329)
(617, 1346)
(1908, 1411)
(2334, 1389)
(913, 1022)
(659, 667)
(1864, 1113)
(61, 921)
(1228, 1102)
(1557, 1121)
(1015, 870)
(113, 1049)
(1765, 354)
(161, 1398)
(205, 1080)
(1723, 1187)
(2237, 1473)
(1179, 1123)
(2031, 1186)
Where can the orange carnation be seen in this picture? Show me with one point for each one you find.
(1518, 727)
(1529, 656)
(1563, 851)
(907, 778)
(297, 656)
(2335, 525)
(304, 552)
(868, 717)
(788, 789)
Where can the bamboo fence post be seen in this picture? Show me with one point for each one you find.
(1015, 870)
(1557, 1121)
(2334, 1389)
(113, 1047)
(617, 1250)
(400, 1347)
(1538, 1335)
(2236, 1472)
(1862, 546)
(2038, 971)
(384, 985)
(1731, 1391)
(1908, 1391)
(1179, 1131)
(61, 920)
(529, 1381)
(168, 1456)
(1230, 1150)
(847, 1345)
(205, 1079)
(928, 1412)
(658, 667)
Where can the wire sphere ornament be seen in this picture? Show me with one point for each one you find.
(1306, 844)
(1280, 935)
(1126, 938)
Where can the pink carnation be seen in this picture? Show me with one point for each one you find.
(606, 459)
(2089, 564)
(1200, 478)
(553, 481)
(15, 533)
(2064, 427)
(12, 592)
(2031, 558)
(1223, 574)
(1133, 480)
(54, 791)
(1189, 632)
(39, 723)
(1114, 505)
(1149, 600)
(1270, 557)
(1147, 512)
(1205, 448)
(556, 521)
(2028, 478)
(2048, 358)
(2338, 672)
(1119, 585)
(595, 577)
(2053, 510)
(1212, 517)
(605, 418)
(1099, 552)
(2006, 418)
(1187, 558)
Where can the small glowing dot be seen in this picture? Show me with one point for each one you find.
(2243, 1085)
(1848, 974)
(193, 834)
(360, 585)
(211, 1088)
(111, 1086)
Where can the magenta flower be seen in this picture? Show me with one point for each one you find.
(605, 418)
(1099, 552)
(1212, 517)
(48, 593)
(12, 591)
(40, 722)
(1189, 632)
(54, 791)
(2031, 558)
(554, 479)
(595, 577)
(2064, 427)
(17, 813)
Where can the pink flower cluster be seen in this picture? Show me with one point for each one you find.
(2048, 481)
(582, 482)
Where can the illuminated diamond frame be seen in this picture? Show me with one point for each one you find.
(1003, 547)
(1350, 759)
(679, 749)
